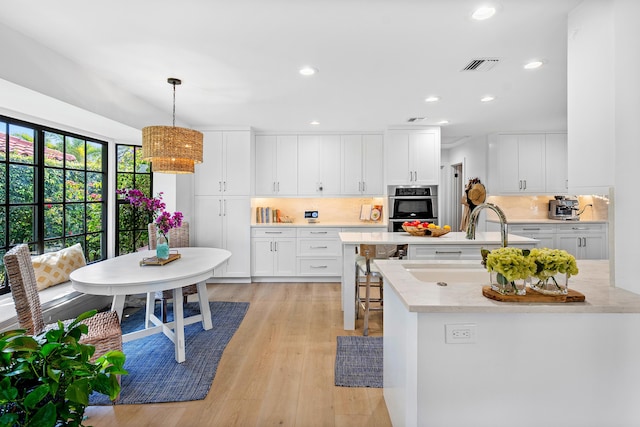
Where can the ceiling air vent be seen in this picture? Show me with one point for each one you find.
(481, 64)
(415, 119)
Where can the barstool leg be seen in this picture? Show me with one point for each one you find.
(366, 306)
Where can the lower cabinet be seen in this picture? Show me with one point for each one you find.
(319, 252)
(449, 253)
(543, 232)
(273, 252)
(221, 222)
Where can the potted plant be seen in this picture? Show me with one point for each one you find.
(554, 267)
(46, 380)
(510, 269)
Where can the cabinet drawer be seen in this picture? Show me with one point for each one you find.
(443, 252)
(273, 232)
(319, 247)
(581, 228)
(528, 229)
(320, 233)
(320, 266)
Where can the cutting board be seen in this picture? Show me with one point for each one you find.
(533, 296)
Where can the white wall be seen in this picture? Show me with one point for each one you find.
(604, 107)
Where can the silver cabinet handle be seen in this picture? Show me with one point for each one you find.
(448, 252)
(318, 232)
(579, 228)
(224, 186)
(525, 184)
(579, 242)
(584, 244)
(520, 185)
(224, 210)
(319, 266)
(273, 232)
(531, 228)
(364, 186)
(219, 185)
(278, 186)
(318, 247)
(271, 246)
(275, 244)
(274, 186)
(219, 207)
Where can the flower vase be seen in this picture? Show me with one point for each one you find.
(162, 246)
(500, 284)
(552, 284)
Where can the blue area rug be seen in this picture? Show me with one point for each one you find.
(155, 376)
(359, 362)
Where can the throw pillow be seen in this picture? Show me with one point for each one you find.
(55, 267)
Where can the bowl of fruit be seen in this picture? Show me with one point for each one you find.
(417, 228)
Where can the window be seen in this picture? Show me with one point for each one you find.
(132, 172)
(52, 190)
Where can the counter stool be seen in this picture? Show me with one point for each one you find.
(369, 271)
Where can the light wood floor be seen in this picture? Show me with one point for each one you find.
(277, 369)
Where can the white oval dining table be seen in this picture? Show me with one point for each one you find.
(123, 275)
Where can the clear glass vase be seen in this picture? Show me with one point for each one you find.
(500, 284)
(553, 283)
(162, 246)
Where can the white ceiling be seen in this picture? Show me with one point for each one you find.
(239, 61)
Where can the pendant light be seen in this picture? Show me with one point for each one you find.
(172, 149)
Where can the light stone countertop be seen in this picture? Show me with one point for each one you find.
(427, 297)
(452, 238)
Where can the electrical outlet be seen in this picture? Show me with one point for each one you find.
(460, 333)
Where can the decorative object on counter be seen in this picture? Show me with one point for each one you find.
(417, 228)
(164, 220)
(534, 297)
(311, 216)
(510, 269)
(370, 212)
(474, 195)
(554, 267)
(268, 215)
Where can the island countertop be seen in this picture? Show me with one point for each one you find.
(426, 297)
(452, 238)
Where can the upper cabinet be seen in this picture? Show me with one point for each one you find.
(276, 165)
(413, 156)
(362, 165)
(226, 166)
(528, 163)
(319, 165)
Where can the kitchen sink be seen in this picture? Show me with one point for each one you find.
(448, 272)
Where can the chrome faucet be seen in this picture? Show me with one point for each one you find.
(473, 222)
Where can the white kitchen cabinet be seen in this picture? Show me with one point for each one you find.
(319, 165)
(584, 241)
(223, 222)
(276, 166)
(556, 162)
(545, 233)
(225, 168)
(413, 156)
(319, 252)
(521, 163)
(450, 252)
(362, 165)
(273, 252)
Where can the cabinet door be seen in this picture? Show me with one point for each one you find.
(570, 243)
(424, 158)
(266, 155)
(208, 175)
(286, 176)
(531, 156)
(330, 174)
(285, 257)
(352, 161)
(372, 165)
(309, 165)
(208, 222)
(262, 256)
(556, 163)
(507, 167)
(236, 212)
(397, 158)
(594, 247)
(237, 163)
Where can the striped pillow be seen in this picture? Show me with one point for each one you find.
(55, 267)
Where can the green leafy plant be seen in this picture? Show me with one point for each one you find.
(509, 263)
(46, 380)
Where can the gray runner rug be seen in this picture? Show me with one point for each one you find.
(359, 362)
(155, 376)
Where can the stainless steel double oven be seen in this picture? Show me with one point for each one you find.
(411, 203)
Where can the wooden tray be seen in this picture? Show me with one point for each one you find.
(155, 261)
(533, 296)
(425, 232)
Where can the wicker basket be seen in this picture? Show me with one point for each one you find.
(428, 232)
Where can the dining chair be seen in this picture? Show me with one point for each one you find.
(178, 238)
(365, 269)
(104, 328)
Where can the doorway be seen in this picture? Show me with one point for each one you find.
(457, 189)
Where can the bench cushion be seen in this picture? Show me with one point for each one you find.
(54, 268)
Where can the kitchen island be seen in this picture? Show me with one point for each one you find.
(562, 364)
(451, 246)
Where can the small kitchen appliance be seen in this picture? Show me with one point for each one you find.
(411, 203)
(564, 208)
(311, 216)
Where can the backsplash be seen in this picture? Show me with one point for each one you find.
(330, 210)
(536, 207)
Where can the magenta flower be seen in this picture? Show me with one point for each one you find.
(163, 219)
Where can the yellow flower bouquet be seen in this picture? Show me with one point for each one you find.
(554, 267)
(510, 269)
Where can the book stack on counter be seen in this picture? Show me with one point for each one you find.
(267, 215)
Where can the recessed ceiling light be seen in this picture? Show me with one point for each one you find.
(432, 98)
(487, 98)
(533, 65)
(483, 12)
(443, 122)
(308, 71)
(314, 123)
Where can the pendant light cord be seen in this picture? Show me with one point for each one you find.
(174, 104)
